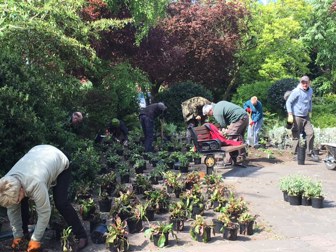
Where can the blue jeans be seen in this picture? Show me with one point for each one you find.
(147, 125)
(255, 128)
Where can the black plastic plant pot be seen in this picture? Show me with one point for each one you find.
(150, 214)
(183, 169)
(134, 225)
(177, 192)
(230, 233)
(178, 224)
(119, 246)
(246, 228)
(301, 155)
(205, 236)
(306, 201)
(157, 237)
(295, 200)
(125, 178)
(197, 161)
(217, 225)
(105, 205)
(196, 210)
(98, 234)
(317, 202)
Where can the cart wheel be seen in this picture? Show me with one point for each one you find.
(330, 163)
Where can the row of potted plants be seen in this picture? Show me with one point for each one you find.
(302, 190)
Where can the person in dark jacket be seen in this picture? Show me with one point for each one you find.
(118, 130)
(147, 117)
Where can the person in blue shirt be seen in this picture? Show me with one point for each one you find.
(299, 109)
(254, 108)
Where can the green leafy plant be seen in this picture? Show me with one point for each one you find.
(67, 240)
(246, 217)
(198, 227)
(178, 210)
(117, 234)
(171, 178)
(228, 221)
(160, 229)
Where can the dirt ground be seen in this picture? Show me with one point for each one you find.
(257, 157)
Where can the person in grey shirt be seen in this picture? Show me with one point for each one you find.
(43, 167)
(299, 109)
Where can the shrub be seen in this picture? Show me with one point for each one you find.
(174, 96)
(246, 91)
(324, 111)
(275, 95)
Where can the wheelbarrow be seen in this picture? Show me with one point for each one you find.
(330, 160)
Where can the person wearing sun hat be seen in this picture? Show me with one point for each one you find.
(118, 130)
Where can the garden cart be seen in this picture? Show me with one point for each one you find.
(330, 160)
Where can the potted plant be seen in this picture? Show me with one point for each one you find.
(134, 222)
(178, 214)
(194, 201)
(191, 179)
(246, 222)
(139, 166)
(317, 195)
(234, 207)
(123, 205)
(112, 160)
(200, 230)
(170, 179)
(124, 172)
(218, 198)
(183, 163)
(197, 158)
(84, 193)
(284, 186)
(141, 184)
(178, 188)
(295, 190)
(230, 227)
(104, 201)
(87, 208)
(107, 182)
(159, 233)
(301, 150)
(159, 200)
(116, 236)
(156, 174)
(68, 242)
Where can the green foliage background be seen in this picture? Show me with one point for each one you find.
(174, 96)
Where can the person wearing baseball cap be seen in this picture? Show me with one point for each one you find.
(299, 109)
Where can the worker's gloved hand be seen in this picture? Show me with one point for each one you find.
(198, 118)
(290, 118)
(16, 243)
(310, 115)
(125, 143)
(252, 123)
(34, 246)
(248, 110)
